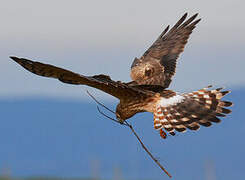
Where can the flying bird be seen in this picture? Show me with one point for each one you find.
(147, 92)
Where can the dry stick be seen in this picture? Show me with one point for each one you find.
(99, 102)
(110, 117)
(142, 144)
(132, 129)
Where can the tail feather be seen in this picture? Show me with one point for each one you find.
(214, 119)
(225, 104)
(190, 110)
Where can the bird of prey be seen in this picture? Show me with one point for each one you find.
(147, 92)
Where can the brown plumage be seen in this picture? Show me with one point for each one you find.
(158, 63)
(151, 75)
(202, 107)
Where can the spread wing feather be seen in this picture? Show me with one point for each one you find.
(158, 63)
(190, 110)
(102, 82)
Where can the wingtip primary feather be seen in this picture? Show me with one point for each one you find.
(14, 58)
(17, 60)
(195, 15)
(22, 61)
(185, 15)
(164, 32)
(182, 19)
(188, 21)
(195, 22)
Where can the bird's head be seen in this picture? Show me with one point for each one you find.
(142, 70)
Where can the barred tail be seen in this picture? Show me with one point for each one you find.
(190, 110)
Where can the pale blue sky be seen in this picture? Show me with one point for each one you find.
(93, 37)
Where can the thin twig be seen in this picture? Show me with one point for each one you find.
(145, 148)
(126, 124)
(99, 102)
(132, 129)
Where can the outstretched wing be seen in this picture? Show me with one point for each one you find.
(158, 63)
(102, 82)
(190, 110)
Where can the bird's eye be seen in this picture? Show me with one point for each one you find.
(148, 72)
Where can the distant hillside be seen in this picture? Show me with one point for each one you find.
(60, 138)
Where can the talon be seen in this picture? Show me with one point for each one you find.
(163, 134)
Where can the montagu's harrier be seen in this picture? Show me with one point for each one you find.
(151, 74)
